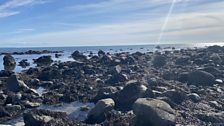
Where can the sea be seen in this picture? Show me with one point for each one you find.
(67, 51)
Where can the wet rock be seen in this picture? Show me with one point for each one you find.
(175, 96)
(32, 71)
(78, 56)
(15, 85)
(9, 60)
(194, 97)
(29, 104)
(183, 77)
(183, 61)
(214, 118)
(106, 60)
(3, 112)
(43, 60)
(201, 78)
(13, 98)
(153, 112)
(48, 74)
(131, 92)
(13, 109)
(159, 60)
(116, 78)
(5, 73)
(45, 118)
(215, 49)
(215, 104)
(105, 92)
(35, 81)
(97, 114)
(23, 63)
(101, 53)
(57, 55)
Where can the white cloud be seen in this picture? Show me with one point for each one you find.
(9, 8)
(198, 23)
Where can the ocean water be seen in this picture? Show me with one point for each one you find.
(86, 50)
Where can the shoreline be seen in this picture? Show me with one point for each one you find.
(189, 82)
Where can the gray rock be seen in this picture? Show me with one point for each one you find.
(215, 118)
(159, 61)
(105, 92)
(201, 78)
(44, 118)
(175, 96)
(97, 114)
(153, 112)
(9, 60)
(43, 60)
(15, 85)
(131, 92)
(194, 97)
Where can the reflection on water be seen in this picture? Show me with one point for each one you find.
(72, 109)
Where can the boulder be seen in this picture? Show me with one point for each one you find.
(9, 60)
(105, 92)
(153, 112)
(97, 114)
(23, 63)
(175, 96)
(131, 92)
(159, 61)
(45, 118)
(201, 78)
(15, 85)
(43, 60)
(116, 78)
(78, 56)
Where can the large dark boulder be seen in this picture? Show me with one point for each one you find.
(201, 78)
(131, 92)
(78, 56)
(97, 114)
(46, 118)
(159, 60)
(9, 60)
(43, 60)
(15, 85)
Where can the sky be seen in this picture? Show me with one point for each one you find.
(41, 23)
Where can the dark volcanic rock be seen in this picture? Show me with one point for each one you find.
(201, 78)
(78, 56)
(105, 92)
(153, 112)
(43, 60)
(46, 118)
(5, 73)
(9, 60)
(24, 63)
(15, 85)
(97, 114)
(130, 94)
(159, 60)
(116, 78)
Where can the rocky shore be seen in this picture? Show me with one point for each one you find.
(161, 88)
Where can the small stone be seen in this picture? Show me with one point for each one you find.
(194, 97)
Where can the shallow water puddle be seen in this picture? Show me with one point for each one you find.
(72, 109)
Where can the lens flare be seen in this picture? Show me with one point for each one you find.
(166, 20)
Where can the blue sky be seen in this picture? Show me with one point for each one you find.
(109, 22)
